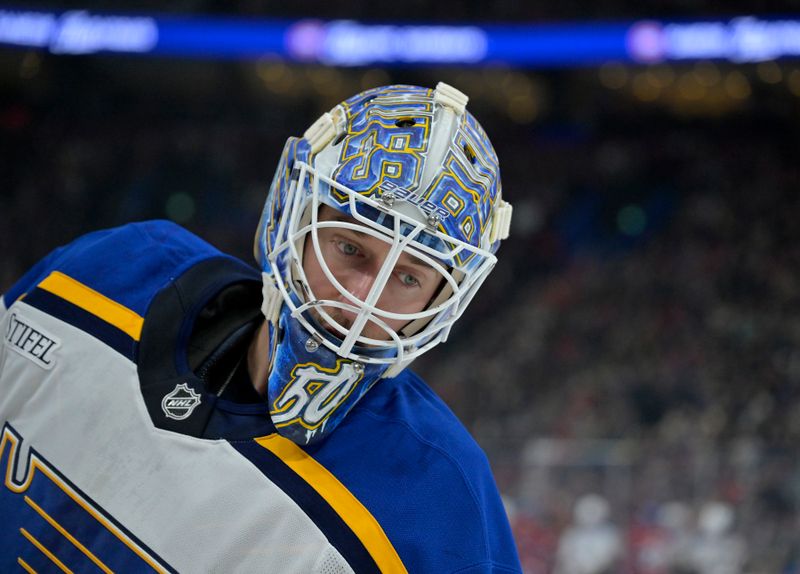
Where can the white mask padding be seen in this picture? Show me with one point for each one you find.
(425, 328)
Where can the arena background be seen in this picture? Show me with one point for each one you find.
(639, 340)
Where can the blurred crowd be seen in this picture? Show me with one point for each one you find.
(632, 367)
(653, 357)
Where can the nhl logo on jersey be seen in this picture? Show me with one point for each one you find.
(180, 403)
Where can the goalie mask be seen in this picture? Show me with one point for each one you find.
(379, 227)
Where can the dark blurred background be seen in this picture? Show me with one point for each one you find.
(638, 345)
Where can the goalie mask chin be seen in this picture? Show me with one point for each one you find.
(410, 171)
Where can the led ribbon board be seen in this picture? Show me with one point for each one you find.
(350, 43)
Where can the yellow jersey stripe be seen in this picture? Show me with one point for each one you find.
(68, 536)
(95, 303)
(347, 506)
(45, 551)
(25, 566)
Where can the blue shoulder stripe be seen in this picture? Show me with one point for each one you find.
(129, 264)
(73, 302)
(94, 302)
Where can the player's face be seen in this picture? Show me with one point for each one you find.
(354, 259)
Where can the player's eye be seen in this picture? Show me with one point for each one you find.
(346, 248)
(408, 280)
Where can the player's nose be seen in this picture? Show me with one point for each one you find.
(358, 283)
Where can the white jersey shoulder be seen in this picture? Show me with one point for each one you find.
(90, 479)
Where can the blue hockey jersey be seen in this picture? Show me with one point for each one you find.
(116, 459)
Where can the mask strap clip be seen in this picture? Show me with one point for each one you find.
(272, 299)
(501, 222)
